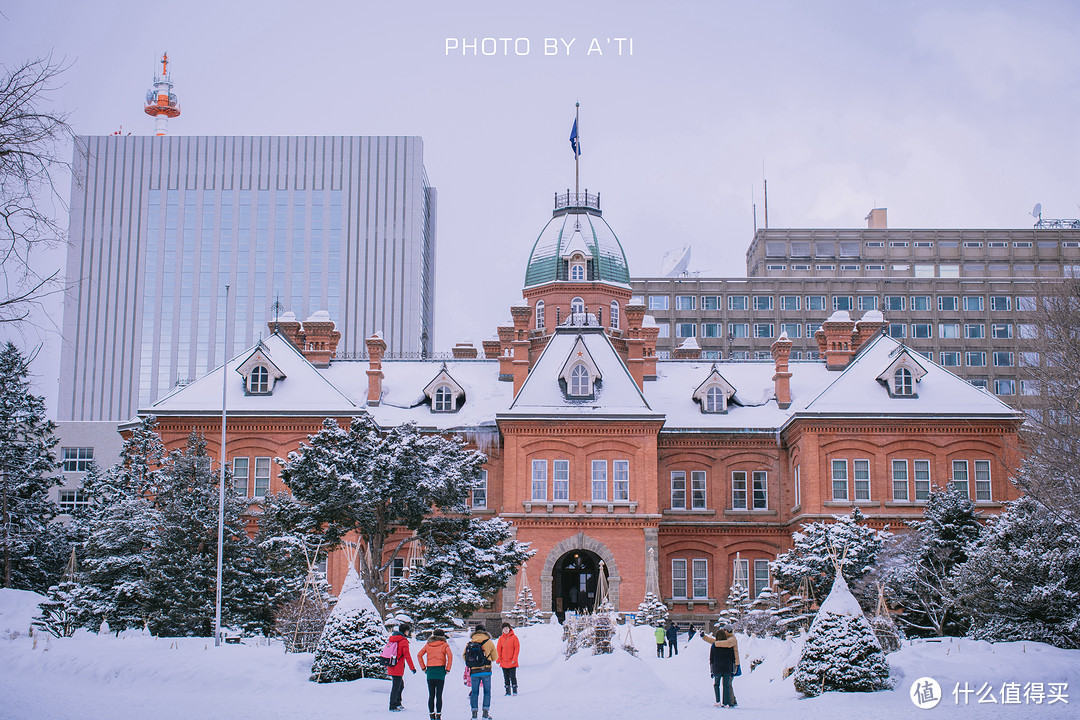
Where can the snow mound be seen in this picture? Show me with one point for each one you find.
(17, 609)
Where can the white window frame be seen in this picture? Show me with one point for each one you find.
(760, 499)
(613, 318)
(540, 315)
(70, 500)
(560, 479)
(599, 481)
(982, 481)
(577, 306)
(686, 302)
(740, 573)
(259, 380)
(580, 382)
(921, 475)
(620, 480)
(860, 472)
(678, 489)
(241, 488)
(479, 490)
(678, 579)
(900, 485)
(739, 494)
(761, 580)
(539, 480)
(698, 496)
(960, 478)
(798, 485)
(839, 479)
(699, 578)
(262, 477)
(77, 459)
(442, 400)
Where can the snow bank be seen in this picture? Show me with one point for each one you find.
(17, 609)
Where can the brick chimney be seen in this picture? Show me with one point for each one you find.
(781, 351)
(287, 325)
(635, 344)
(320, 339)
(520, 363)
(506, 352)
(376, 346)
(689, 350)
(835, 340)
(871, 324)
(492, 348)
(464, 351)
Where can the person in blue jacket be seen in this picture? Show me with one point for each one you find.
(672, 639)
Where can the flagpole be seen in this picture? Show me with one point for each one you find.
(221, 482)
(577, 154)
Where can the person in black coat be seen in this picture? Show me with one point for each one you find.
(672, 638)
(723, 664)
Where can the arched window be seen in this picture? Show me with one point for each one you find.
(444, 399)
(577, 270)
(577, 306)
(259, 380)
(902, 382)
(614, 315)
(579, 381)
(539, 314)
(714, 400)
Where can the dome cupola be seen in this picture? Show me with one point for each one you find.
(577, 245)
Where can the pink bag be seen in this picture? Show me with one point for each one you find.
(467, 678)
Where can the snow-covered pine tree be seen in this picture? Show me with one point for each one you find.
(466, 561)
(736, 607)
(841, 651)
(525, 611)
(810, 560)
(763, 615)
(375, 483)
(652, 611)
(352, 639)
(32, 549)
(181, 589)
(794, 614)
(56, 615)
(1021, 580)
(915, 567)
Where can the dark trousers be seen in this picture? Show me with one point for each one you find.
(729, 692)
(660, 649)
(434, 695)
(396, 686)
(510, 679)
(672, 645)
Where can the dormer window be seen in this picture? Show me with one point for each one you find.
(715, 393)
(444, 393)
(577, 306)
(577, 268)
(259, 380)
(902, 382)
(579, 381)
(902, 374)
(714, 400)
(443, 400)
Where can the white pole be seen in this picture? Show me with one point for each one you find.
(221, 484)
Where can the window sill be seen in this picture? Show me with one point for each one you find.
(483, 511)
(850, 503)
(550, 506)
(688, 511)
(590, 506)
(905, 503)
(711, 603)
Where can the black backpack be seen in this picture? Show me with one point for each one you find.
(474, 655)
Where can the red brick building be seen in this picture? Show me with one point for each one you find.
(599, 451)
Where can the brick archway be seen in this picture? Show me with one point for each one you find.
(581, 541)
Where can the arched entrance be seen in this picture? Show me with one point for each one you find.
(563, 554)
(573, 582)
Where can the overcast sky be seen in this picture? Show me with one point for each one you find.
(958, 114)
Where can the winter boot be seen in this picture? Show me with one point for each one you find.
(473, 715)
(507, 689)
(486, 716)
(515, 689)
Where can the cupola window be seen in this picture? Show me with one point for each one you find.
(259, 380)
(577, 306)
(614, 315)
(579, 381)
(539, 314)
(577, 269)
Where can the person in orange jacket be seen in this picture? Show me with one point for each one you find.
(397, 670)
(439, 660)
(508, 658)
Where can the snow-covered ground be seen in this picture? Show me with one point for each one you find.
(90, 677)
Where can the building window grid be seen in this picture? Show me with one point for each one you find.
(700, 577)
(262, 477)
(861, 472)
(678, 579)
(479, 490)
(761, 576)
(900, 480)
(539, 479)
(960, 476)
(839, 480)
(70, 500)
(620, 482)
(761, 490)
(741, 573)
(78, 459)
(599, 480)
(240, 472)
(678, 490)
(738, 490)
(697, 489)
(922, 480)
(982, 480)
(560, 482)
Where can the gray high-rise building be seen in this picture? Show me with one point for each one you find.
(159, 225)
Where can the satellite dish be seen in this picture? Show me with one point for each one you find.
(1037, 210)
(675, 261)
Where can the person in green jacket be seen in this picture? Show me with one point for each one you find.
(661, 640)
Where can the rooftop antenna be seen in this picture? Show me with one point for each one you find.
(765, 182)
(276, 308)
(161, 101)
(1036, 212)
(753, 204)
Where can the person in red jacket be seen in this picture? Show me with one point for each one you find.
(397, 670)
(508, 658)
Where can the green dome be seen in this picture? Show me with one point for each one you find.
(577, 224)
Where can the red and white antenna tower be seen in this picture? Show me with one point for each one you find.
(161, 101)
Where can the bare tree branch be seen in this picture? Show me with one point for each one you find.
(31, 140)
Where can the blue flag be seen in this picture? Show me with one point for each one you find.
(574, 142)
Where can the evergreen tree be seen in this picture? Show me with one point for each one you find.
(915, 567)
(352, 639)
(57, 616)
(285, 552)
(841, 651)
(466, 561)
(30, 545)
(525, 611)
(810, 560)
(183, 581)
(380, 483)
(1021, 580)
(735, 608)
(652, 611)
